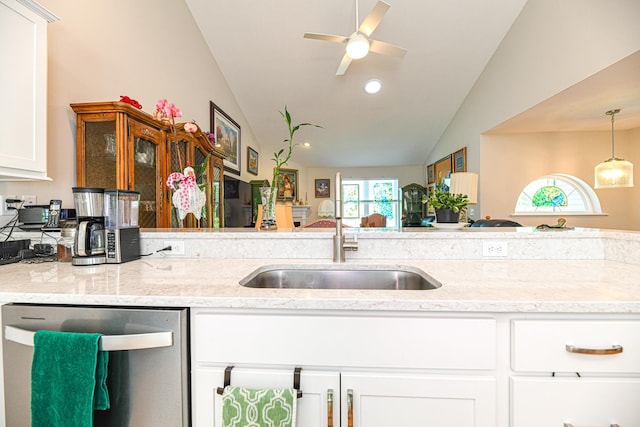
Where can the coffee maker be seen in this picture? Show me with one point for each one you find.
(90, 237)
(121, 225)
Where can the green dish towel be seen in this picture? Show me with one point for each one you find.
(242, 407)
(68, 379)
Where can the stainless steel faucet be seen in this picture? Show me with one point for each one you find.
(340, 242)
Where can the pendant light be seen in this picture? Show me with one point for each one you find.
(614, 173)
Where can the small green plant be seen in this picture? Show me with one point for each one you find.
(441, 199)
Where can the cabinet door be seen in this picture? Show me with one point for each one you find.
(146, 152)
(98, 157)
(579, 402)
(383, 400)
(23, 85)
(312, 408)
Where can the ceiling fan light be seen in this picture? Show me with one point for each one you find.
(358, 46)
(614, 173)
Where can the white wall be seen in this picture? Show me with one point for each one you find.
(551, 46)
(102, 49)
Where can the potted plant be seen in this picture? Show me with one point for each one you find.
(447, 205)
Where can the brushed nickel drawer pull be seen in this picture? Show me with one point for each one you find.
(330, 407)
(349, 408)
(571, 425)
(616, 349)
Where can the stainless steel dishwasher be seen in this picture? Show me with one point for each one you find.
(148, 377)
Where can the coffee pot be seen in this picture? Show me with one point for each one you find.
(90, 234)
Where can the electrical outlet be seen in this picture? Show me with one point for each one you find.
(494, 248)
(177, 247)
(28, 200)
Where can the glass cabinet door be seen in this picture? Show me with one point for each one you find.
(100, 156)
(145, 174)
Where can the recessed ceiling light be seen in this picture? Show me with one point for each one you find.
(306, 144)
(373, 86)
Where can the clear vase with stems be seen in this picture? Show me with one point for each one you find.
(268, 197)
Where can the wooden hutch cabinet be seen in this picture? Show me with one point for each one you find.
(120, 146)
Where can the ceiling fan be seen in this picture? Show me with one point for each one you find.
(359, 44)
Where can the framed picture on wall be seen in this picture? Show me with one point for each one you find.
(252, 161)
(431, 173)
(442, 169)
(323, 188)
(287, 185)
(227, 133)
(460, 160)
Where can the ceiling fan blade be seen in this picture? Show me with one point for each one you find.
(344, 64)
(373, 18)
(326, 37)
(386, 48)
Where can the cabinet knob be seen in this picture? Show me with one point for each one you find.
(616, 349)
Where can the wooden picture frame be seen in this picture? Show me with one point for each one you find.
(460, 160)
(252, 161)
(442, 169)
(431, 173)
(323, 188)
(227, 133)
(287, 185)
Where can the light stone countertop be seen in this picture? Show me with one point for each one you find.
(572, 271)
(536, 286)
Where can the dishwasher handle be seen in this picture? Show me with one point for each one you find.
(106, 343)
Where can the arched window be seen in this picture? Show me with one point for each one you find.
(558, 193)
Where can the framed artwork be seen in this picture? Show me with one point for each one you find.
(323, 188)
(431, 173)
(460, 160)
(227, 133)
(442, 169)
(287, 185)
(252, 161)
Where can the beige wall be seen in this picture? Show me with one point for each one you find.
(510, 161)
(551, 46)
(102, 49)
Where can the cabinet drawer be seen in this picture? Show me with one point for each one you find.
(541, 346)
(576, 401)
(357, 341)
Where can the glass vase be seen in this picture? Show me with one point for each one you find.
(268, 197)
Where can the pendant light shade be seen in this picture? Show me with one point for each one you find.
(614, 172)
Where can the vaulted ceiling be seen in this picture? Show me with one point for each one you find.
(267, 63)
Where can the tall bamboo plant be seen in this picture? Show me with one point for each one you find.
(279, 157)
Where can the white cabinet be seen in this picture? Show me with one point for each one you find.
(575, 372)
(382, 369)
(314, 408)
(23, 84)
(376, 399)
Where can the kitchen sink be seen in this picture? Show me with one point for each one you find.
(338, 276)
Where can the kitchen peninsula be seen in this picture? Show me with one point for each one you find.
(479, 348)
